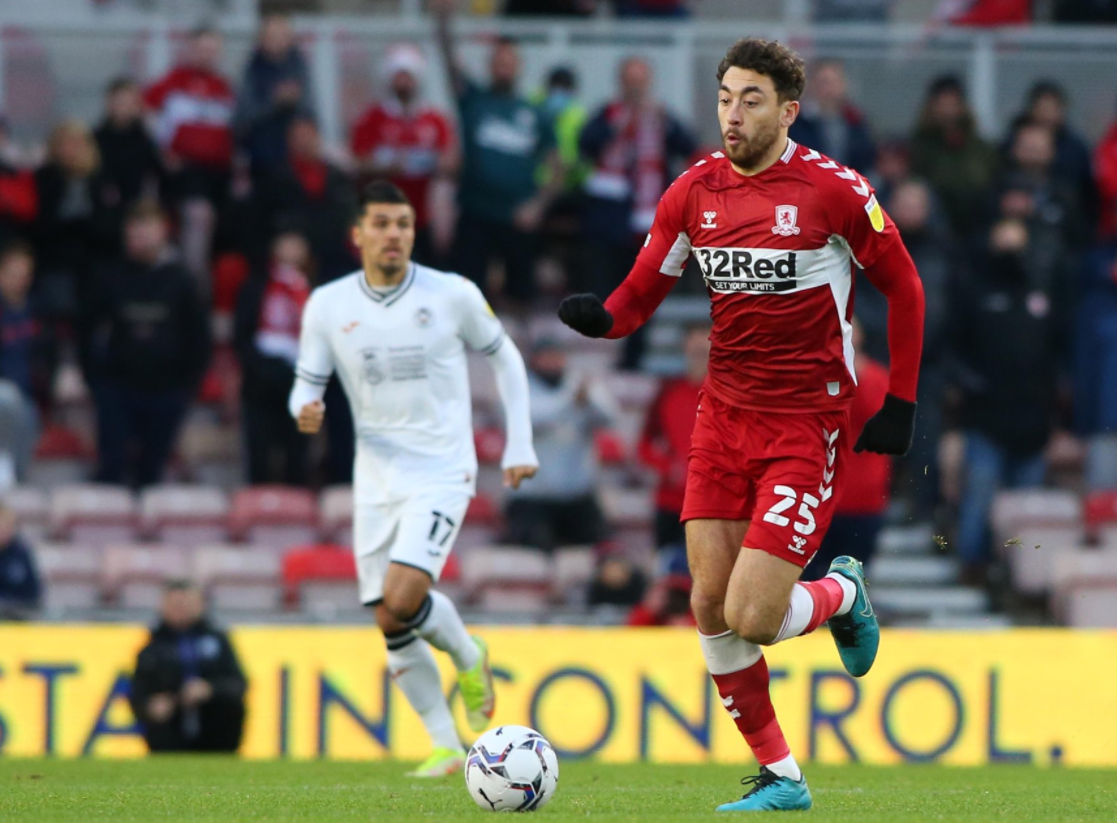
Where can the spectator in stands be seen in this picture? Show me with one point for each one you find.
(984, 12)
(665, 441)
(1054, 207)
(268, 318)
(829, 122)
(549, 8)
(411, 144)
(616, 582)
(193, 107)
(19, 202)
(314, 197)
(948, 153)
(561, 107)
(1084, 11)
(79, 219)
(1047, 106)
(632, 142)
(667, 603)
(145, 347)
(275, 88)
(862, 503)
(1105, 170)
(1004, 341)
(19, 430)
(560, 507)
(891, 168)
(504, 141)
(20, 587)
(1095, 401)
(188, 689)
(937, 259)
(25, 349)
(652, 8)
(851, 11)
(130, 159)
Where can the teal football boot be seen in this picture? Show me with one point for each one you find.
(856, 633)
(771, 793)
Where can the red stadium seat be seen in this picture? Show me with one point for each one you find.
(490, 445)
(322, 575)
(483, 511)
(611, 449)
(93, 515)
(239, 578)
(335, 506)
(275, 516)
(71, 577)
(184, 515)
(133, 575)
(1101, 516)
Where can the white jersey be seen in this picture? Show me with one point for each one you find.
(401, 359)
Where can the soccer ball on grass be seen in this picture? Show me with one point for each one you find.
(511, 769)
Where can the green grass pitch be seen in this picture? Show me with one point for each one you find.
(203, 790)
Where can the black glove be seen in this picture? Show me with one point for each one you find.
(890, 430)
(586, 314)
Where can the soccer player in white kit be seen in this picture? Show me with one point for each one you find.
(396, 334)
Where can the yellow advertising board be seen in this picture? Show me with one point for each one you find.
(621, 695)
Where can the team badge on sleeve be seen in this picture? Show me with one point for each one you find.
(785, 221)
(876, 213)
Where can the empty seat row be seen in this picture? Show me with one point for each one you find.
(315, 578)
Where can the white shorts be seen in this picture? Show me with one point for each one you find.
(417, 532)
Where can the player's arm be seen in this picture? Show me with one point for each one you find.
(483, 332)
(877, 246)
(312, 371)
(657, 269)
(443, 11)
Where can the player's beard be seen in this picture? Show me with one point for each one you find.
(749, 153)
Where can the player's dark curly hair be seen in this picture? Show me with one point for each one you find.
(771, 59)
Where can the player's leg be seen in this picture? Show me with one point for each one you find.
(738, 667)
(428, 526)
(795, 501)
(410, 660)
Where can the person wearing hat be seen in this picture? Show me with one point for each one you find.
(412, 145)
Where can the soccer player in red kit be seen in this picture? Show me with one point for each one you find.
(776, 228)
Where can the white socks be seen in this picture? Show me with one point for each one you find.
(443, 628)
(799, 613)
(412, 666)
(726, 652)
(849, 592)
(786, 767)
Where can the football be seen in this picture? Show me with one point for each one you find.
(511, 769)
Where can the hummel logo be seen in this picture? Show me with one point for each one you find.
(797, 544)
(350, 326)
(709, 217)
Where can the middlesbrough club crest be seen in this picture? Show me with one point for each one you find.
(785, 221)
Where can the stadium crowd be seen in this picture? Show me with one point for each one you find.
(167, 251)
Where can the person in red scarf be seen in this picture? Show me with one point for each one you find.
(632, 142)
(19, 199)
(314, 195)
(193, 107)
(665, 442)
(268, 320)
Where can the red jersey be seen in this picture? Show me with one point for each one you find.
(776, 251)
(665, 440)
(411, 140)
(867, 477)
(195, 116)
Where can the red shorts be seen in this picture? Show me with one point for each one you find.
(780, 471)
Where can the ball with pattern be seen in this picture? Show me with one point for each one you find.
(511, 769)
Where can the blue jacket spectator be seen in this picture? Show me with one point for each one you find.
(276, 89)
(831, 124)
(1095, 400)
(20, 588)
